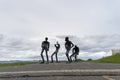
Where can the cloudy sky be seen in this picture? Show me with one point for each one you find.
(93, 25)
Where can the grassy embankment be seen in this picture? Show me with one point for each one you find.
(16, 64)
(109, 59)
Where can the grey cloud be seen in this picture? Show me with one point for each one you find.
(37, 18)
(56, 17)
(90, 46)
(17, 44)
(96, 43)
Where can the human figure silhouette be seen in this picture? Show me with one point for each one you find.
(45, 47)
(57, 46)
(75, 52)
(68, 46)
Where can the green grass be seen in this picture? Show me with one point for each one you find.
(109, 59)
(16, 64)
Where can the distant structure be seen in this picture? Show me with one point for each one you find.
(115, 51)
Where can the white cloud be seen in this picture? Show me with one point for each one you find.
(27, 22)
(28, 18)
(95, 46)
(90, 46)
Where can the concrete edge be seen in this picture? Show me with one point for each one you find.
(77, 72)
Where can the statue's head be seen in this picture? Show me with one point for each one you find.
(67, 38)
(46, 38)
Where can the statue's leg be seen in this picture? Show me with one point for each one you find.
(56, 56)
(42, 55)
(47, 56)
(71, 57)
(75, 57)
(67, 55)
(52, 57)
